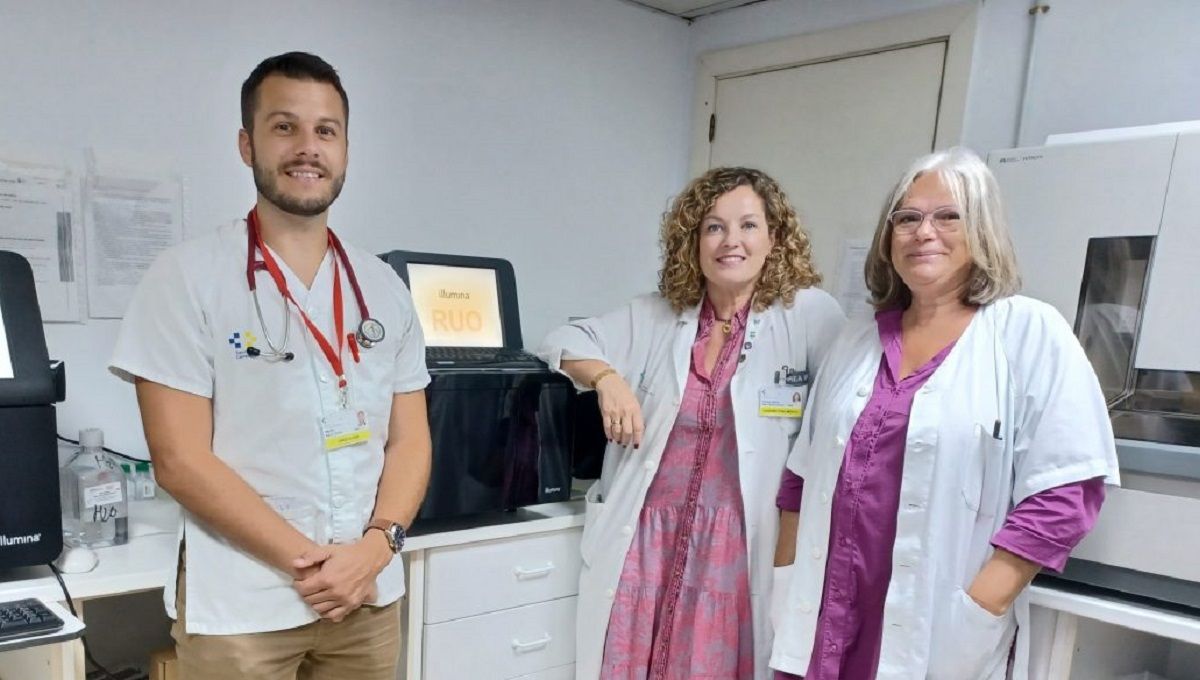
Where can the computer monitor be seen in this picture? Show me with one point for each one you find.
(457, 306)
(461, 300)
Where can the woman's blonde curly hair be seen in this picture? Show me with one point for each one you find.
(788, 266)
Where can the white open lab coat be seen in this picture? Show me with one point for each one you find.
(1017, 362)
(650, 346)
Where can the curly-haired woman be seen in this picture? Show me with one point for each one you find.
(696, 388)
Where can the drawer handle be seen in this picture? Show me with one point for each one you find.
(527, 647)
(524, 574)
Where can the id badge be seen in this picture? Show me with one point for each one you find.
(344, 427)
(781, 401)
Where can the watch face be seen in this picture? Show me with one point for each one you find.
(370, 331)
(396, 533)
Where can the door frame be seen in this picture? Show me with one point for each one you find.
(955, 25)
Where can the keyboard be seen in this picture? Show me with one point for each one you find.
(469, 356)
(26, 618)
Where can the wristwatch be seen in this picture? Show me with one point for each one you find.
(391, 530)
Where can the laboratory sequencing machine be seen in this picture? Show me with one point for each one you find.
(1107, 229)
(502, 423)
(30, 519)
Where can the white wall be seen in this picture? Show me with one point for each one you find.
(1113, 63)
(548, 132)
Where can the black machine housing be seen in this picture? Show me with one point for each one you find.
(30, 513)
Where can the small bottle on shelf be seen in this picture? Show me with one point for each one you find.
(147, 489)
(94, 495)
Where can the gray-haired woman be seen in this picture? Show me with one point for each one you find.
(951, 450)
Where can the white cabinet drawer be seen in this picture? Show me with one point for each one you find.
(508, 644)
(478, 578)
(560, 673)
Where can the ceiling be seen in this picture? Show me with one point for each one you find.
(690, 9)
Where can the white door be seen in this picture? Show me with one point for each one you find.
(836, 134)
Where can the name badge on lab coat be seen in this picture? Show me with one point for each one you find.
(781, 401)
(344, 427)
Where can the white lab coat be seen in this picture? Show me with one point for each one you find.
(1017, 362)
(650, 346)
(188, 327)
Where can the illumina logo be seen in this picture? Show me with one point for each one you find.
(19, 540)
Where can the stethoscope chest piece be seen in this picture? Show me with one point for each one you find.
(370, 333)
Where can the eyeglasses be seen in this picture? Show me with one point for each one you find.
(908, 220)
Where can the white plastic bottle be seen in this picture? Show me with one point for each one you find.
(147, 489)
(94, 497)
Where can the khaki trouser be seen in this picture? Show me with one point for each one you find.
(363, 646)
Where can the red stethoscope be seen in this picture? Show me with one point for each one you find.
(370, 332)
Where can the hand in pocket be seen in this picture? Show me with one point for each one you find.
(968, 641)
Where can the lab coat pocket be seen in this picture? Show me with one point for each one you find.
(981, 471)
(791, 429)
(593, 507)
(215, 564)
(302, 514)
(969, 642)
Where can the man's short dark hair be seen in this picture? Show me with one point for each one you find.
(297, 65)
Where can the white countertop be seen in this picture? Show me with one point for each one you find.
(146, 561)
(527, 520)
(1119, 612)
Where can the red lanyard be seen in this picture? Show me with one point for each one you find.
(334, 357)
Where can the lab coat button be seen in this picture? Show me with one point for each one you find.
(862, 392)
(817, 553)
(324, 378)
(627, 530)
(841, 442)
(824, 496)
(610, 593)
(805, 606)
(649, 466)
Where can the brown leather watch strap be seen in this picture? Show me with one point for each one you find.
(380, 523)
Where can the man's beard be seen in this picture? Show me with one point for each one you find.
(265, 182)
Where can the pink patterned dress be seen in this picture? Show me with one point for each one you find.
(682, 607)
